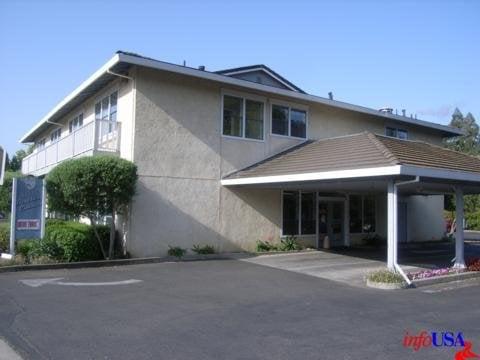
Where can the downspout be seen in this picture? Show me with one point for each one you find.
(395, 262)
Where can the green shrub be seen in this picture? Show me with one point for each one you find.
(203, 249)
(176, 251)
(264, 246)
(385, 276)
(29, 249)
(473, 220)
(53, 222)
(289, 243)
(4, 237)
(71, 241)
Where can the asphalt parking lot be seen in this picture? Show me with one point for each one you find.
(223, 309)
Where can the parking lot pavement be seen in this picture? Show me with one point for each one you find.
(221, 310)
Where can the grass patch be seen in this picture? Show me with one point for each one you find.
(385, 276)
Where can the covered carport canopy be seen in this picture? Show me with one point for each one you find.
(371, 162)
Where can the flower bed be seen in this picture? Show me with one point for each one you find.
(473, 264)
(425, 274)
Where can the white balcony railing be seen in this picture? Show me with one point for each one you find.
(99, 135)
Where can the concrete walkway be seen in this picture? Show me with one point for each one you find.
(332, 266)
(6, 352)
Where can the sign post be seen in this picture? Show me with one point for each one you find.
(3, 164)
(28, 210)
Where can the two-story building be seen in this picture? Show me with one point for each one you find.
(235, 156)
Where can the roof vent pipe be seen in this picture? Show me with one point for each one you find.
(201, 67)
(330, 95)
(387, 110)
(404, 112)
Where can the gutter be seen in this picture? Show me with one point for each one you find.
(395, 244)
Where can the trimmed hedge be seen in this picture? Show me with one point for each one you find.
(65, 241)
(73, 241)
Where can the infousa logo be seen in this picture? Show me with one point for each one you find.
(446, 339)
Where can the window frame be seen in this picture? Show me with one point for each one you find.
(396, 130)
(362, 213)
(40, 145)
(70, 123)
(57, 138)
(299, 210)
(99, 99)
(290, 106)
(244, 97)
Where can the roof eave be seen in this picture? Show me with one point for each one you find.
(160, 65)
(29, 137)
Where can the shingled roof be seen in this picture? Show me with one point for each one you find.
(359, 151)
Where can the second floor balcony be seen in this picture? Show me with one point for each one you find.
(99, 136)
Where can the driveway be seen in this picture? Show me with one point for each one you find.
(326, 265)
(221, 310)
(349, 266)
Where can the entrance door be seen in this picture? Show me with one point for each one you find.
(330, 222)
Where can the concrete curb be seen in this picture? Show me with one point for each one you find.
(446, 278)
(122, 262)
(261, 253)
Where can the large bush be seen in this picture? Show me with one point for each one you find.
(65, 242)
(74, 241)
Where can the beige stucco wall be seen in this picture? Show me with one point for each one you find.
(181, 156)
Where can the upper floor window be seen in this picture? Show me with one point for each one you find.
(243, 117)
(288, 121)
(40, 144)
(397, 133)
(56, 135)
(76, 123)
(106, 109)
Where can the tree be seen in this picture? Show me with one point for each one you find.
(92, 187)
(6, 192)
(469, 142)
(16, 161)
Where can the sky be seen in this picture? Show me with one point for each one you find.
(422, 56)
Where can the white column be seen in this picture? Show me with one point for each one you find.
(346, 221)
(459, 236)
(392, 225)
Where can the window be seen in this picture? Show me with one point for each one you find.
(106, 110)
(308, 213)
(242, 117)
(396, 133)
(76, 123)
(40, 144)
(299, 213)
(369, 214)
(232, 116)
(56, 135)
(288, 121)
(280, 120)
(290, 212)
(362, 214)
(355, 214)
